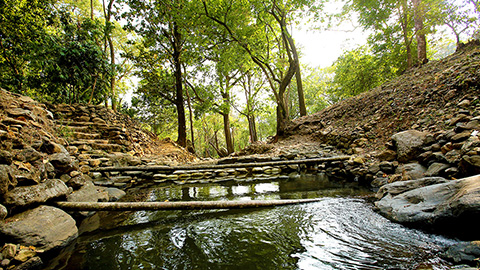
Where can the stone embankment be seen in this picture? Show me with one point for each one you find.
(47, 153)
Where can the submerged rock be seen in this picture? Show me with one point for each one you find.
(447, 206)
(44, 227)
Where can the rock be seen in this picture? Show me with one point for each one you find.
(464, 103)
(436, 169)
(115, 194)
(24, 254)
(387, 155)
(62, 163)
(379, 181)
(461, 136)
(32, 263)
(50, 147)
(44, 227)
(400, 187)
(9, 251)
(470, 165)
(79, 181)
(411, 171)
(6, 157)
(88, 193)
(7, 179)
(25, 196)
(387, 167)
(464, 252)
(446, 207)
(3, 212)
(409, 144)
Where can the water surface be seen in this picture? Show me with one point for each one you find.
(339, 232)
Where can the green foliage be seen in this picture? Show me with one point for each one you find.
(358, 71)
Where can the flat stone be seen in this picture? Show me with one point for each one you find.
(25, 196)
(387, 155)
(44, 227)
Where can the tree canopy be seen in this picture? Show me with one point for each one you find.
(214, 74)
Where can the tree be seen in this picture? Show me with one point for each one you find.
(164, 27)
(23, 38)
(357, 71)
(261, 29)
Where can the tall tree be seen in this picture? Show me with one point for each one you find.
(260, 28)
(164, 26)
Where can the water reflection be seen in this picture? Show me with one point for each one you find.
(339, 232)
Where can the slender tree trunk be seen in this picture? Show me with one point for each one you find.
(91, 10)
(228, 133)
(179, 100)
(419, 30)
(252, 128)
(226, 119)
(190, 110)
(402, 12)
(298, 76)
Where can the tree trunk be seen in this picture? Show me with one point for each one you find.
(298, 77)
(420, 32)
(190, 111)
(402, 10)
(184, 205)
(179, 100)
(252, 128)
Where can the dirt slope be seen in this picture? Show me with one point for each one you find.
(424, 98)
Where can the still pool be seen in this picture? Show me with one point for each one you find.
(339, 232)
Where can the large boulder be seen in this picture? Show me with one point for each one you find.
(409, 144)
(37, 194)
(396, 188)
(44, 227)
(452, 207)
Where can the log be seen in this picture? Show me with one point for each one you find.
(221, 166)
(184, 205)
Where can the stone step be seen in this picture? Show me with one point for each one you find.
(85, 136)
(111, 147)
(90, 142)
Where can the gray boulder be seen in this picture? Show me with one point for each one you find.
(409, 144)
(44, 227)
(411, 171)
(28, 195)
(396, 188)
(451, 206)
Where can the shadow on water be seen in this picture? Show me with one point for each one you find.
(339, 232)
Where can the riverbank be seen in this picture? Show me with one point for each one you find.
(412, 139)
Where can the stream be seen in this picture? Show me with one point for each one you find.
(339, 232)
